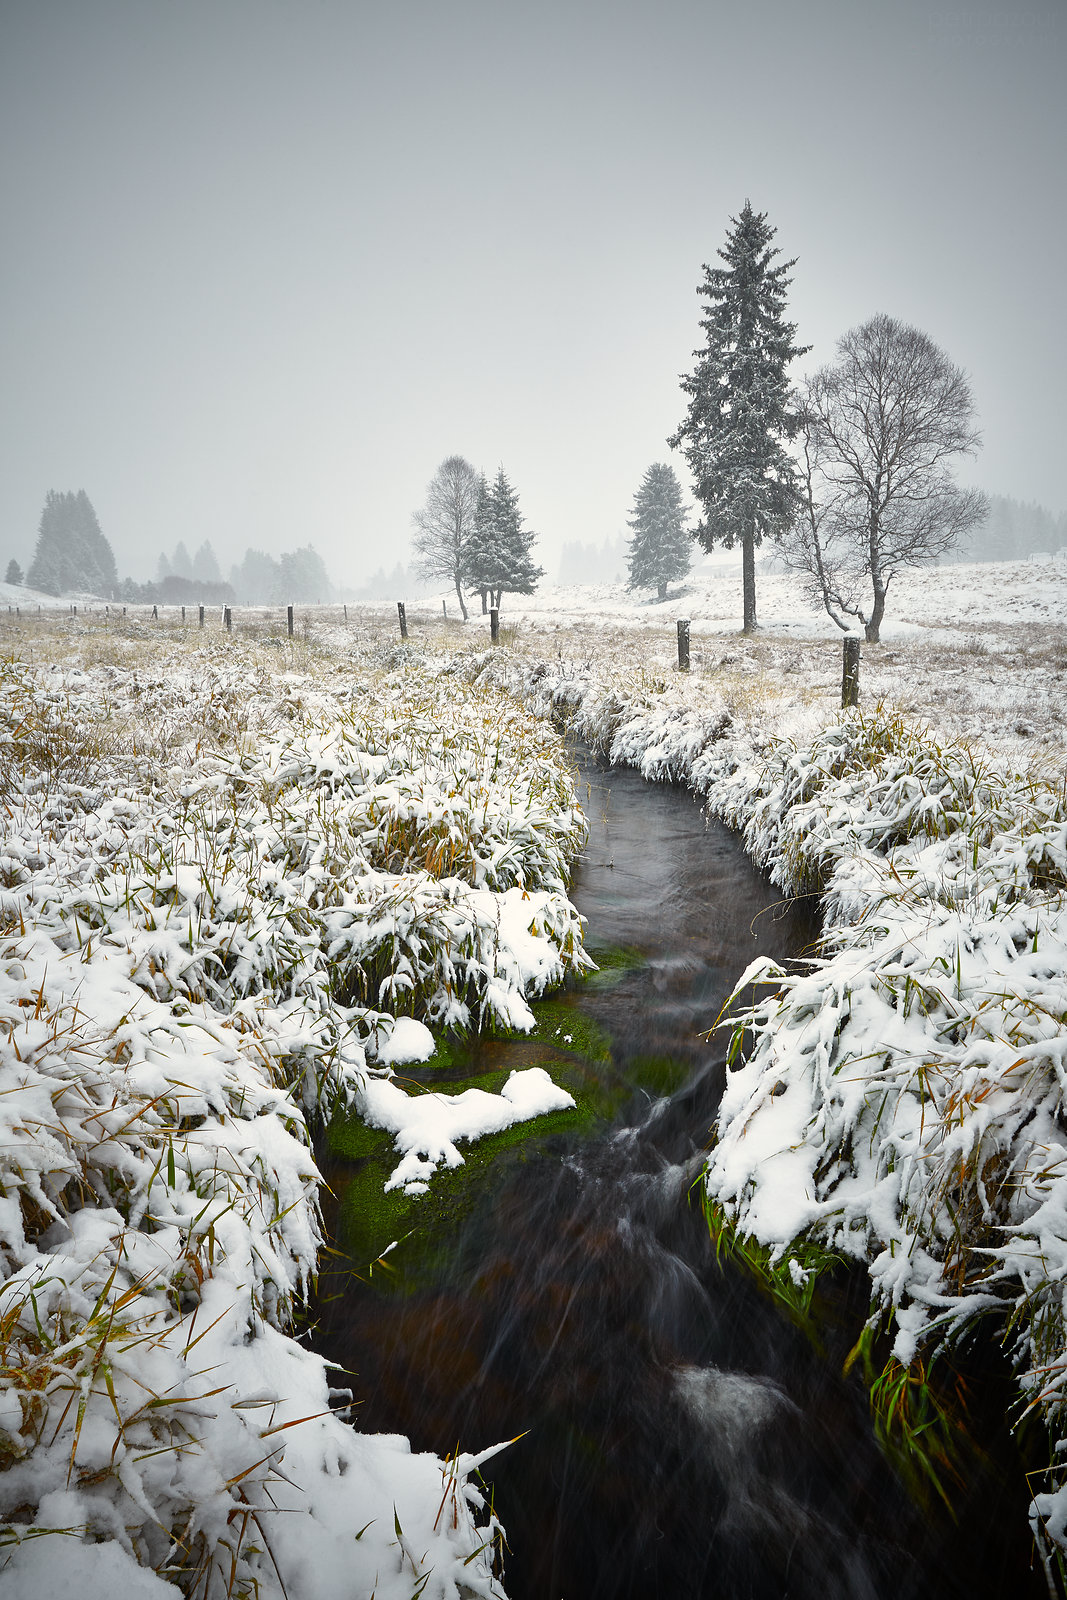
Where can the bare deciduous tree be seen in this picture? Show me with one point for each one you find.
(880, 428)
(446, 523)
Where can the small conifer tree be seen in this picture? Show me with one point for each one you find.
(660, 548)
(498, 557)
(14, 573)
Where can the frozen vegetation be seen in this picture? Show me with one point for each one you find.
(226, 882)
(899, 1101)
(232, 895)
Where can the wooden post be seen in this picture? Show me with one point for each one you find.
(403, 619)
(123, 610)
(683, 644)
(494, 624)
(183, 616)
(850, 677)
(444, 608)
(155, 613)
(201, 616)
(227, 619)
(289, 620)
(346, 613)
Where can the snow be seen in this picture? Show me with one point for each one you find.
(240, 883)
(230, 898)
(408, 1040)
(903, 1102)
(427, 1127)
(63, 1567)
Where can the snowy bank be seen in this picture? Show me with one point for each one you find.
(230, 898)
(902, 1105)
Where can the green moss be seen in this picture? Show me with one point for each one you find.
(613, 963)
(657, 1075)
(566, 1028)
(567, 1044)
(372, 1218)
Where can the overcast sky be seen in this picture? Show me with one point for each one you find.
(267, 262)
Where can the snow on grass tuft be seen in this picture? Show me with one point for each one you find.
(230, 898)
(902, 1101)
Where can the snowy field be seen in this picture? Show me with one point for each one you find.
(230, 864)
(978, 651)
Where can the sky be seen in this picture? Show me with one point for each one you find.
(267, 262)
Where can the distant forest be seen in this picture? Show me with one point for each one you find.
(591, 563)
(1012, 531)
(73, 556)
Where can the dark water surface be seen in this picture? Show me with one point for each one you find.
(685, 1439)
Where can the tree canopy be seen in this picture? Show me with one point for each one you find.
(738, 418)
(881, 427)
(497, 558)
(446, 522)
(661, 548)
(72, 553)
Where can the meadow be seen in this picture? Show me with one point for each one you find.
(245, 875)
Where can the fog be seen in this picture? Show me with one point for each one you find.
(266, 264)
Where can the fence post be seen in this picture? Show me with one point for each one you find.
(346, 613)
(444, 608)
(494, 624)
(227, 619)
(289, 620)
(402, 614)
(683, 644)
(850, 677)
(155, 613)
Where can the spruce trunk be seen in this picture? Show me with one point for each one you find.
(748, 579)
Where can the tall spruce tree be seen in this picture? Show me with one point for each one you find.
(661, 546)
(497, 559)
(738, 417)
(71, 552)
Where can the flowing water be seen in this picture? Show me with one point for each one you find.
(685, 1439)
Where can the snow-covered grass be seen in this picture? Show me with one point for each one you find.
(900, 1099)
(238, 880)
(901, 1105)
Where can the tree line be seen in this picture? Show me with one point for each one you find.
(72, 555)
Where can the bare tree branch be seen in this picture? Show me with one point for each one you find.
(881, 427)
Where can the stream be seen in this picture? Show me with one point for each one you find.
(684, 1439)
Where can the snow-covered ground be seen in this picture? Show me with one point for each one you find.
(978, 651)
(904, 1102)
(200, 829)
(237, 881)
